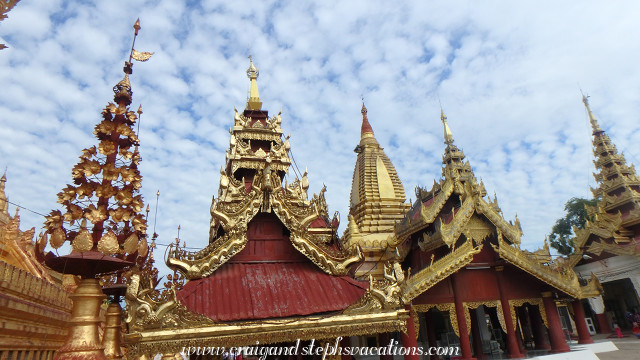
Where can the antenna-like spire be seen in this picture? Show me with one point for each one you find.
(592, 119)
(254, 102)
(448, 136)
(366, 130)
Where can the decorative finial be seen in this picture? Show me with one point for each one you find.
(366, 130)
(592, 119)
(254, 102)
(448, 136)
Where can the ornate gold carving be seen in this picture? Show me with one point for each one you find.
(533, 301)
(145, 313)
(382, 295)
(441, 269)
(266, 332)
(476, 304)
(559, 277)
(451, 232)
(445, 307)
(204, 262)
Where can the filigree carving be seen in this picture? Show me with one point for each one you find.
(199, 264)
(561, 278)
(145, 313)
(534, 301)
(382, 295)
(445, 307)
(441, 269)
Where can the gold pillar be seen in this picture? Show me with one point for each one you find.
(111, 339)
(83, 341)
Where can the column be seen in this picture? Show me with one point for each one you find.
(512, 340)
(111, 340)
(409, 339)
(383, 340)
(556, 337)
(597, 305)
(475, 334)
(537, 328)
(581, 325)
(83, 341)
(431, 333)
(465, 345)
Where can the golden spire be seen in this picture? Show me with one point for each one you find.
(103, 210)
(592, 119)
(366, 130)
(448, 136)
(254, 102)
(377, 203)
(4, 201)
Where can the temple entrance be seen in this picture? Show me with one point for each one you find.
(620, 297)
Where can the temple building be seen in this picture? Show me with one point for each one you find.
(609, 244)
(446, 270)
(274, 270)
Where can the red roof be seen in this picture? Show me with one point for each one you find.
(248, 291)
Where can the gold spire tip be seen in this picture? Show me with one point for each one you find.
(254, 102)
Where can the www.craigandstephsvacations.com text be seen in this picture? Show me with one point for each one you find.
(318, 348)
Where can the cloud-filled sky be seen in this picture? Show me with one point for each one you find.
(507, 74)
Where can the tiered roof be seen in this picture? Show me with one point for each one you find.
(614, 227)
(377, 203)
(274, 270)
(453, 222)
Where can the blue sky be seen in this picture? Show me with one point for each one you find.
(507, 74)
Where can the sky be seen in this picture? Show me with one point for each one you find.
(507, 74)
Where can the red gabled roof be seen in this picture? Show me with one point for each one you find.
(251, 291)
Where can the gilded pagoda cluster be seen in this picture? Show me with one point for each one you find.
(105, 189)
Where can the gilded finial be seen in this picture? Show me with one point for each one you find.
(592, 119)
(448, 136)
(366, 130)
(254, 102)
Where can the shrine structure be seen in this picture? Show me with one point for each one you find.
(464, 260)
(274, 270)
(609, 244)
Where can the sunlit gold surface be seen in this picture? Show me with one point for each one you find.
(377, 203)
(83, 341)
(112, 337)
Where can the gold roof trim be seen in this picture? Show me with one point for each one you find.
(427, 213)
(561, 278)
(439, 270)
(203, 263)
(149, 342)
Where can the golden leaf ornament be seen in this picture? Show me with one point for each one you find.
(108, 244)
(57, 238)
(82, 241)
(131, 244)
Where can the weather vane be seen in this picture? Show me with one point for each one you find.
(135, 54)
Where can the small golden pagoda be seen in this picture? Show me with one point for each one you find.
(377, 202)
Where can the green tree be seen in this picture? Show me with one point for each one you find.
(575, 215)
